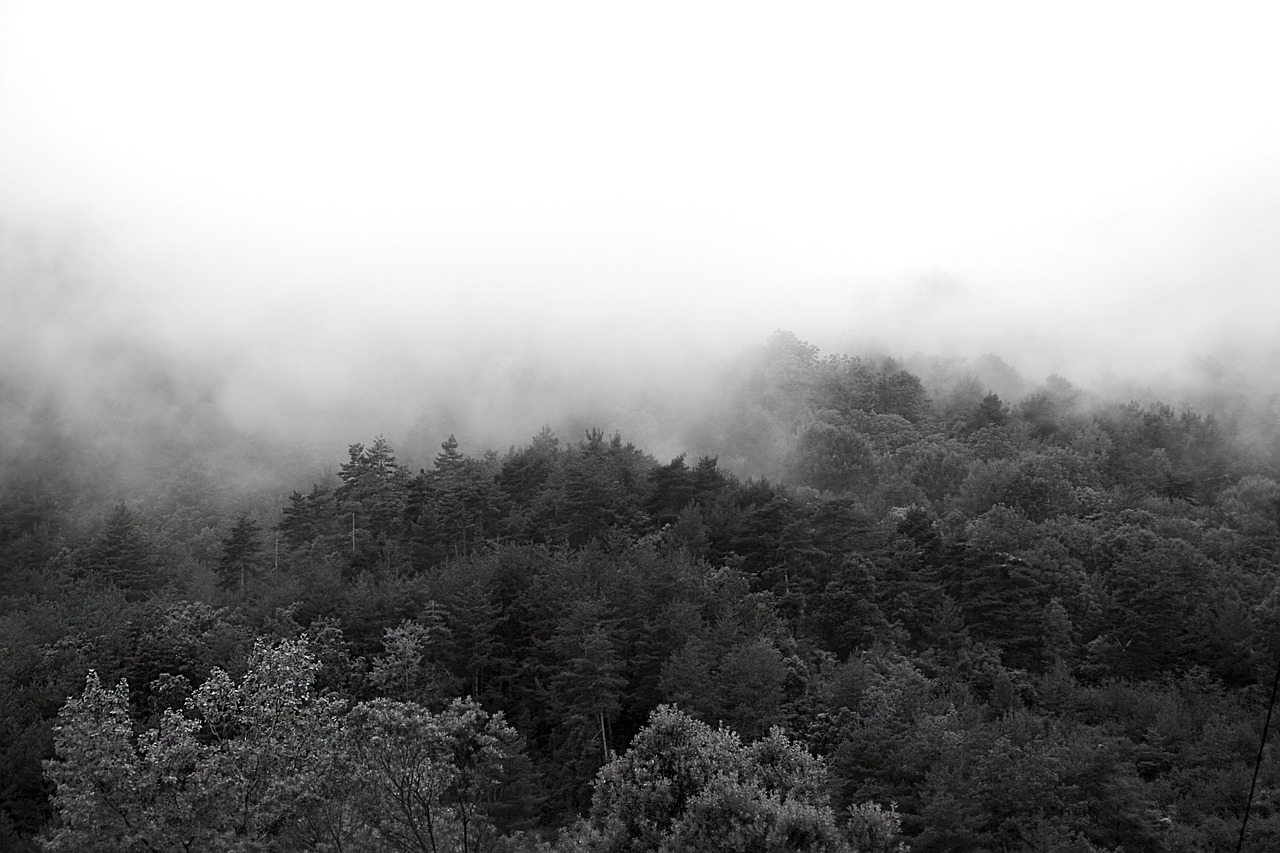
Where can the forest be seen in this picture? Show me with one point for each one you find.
(878, 605)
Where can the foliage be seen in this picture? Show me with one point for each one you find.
(426, 782)
(685, 786)
(264, 762)
(1008, 617)
(242, 555)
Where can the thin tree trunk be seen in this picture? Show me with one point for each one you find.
(604, 737)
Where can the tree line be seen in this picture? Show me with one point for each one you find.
(944, 621)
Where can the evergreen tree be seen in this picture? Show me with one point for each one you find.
(529, 483)
(990, 412)
(1059, 633)
(242, 555)
(374, 495)
(463, 502)
(672, 488)
(845, 615)
(473, 620)
(584, 694)
(122, 555)
(308, 518)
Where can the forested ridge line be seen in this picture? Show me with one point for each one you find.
(943, 618)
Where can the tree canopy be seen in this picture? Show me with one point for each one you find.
(959, 611)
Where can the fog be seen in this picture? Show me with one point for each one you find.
(322, 223)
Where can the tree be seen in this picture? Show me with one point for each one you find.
(897, 392)
(410, 667)
(936, 467)
(990, 412)
(473, 620)
(527, 482)
(244, 765)
(376, 482)
(688, 534)
(844, 615)
(100, 783)
(373, 496)
(241, 558)
(583, 695)
(270, 766)
(122, 555)
(590, 684)
(461, 501)
(600, 490)
(1059, 634)
(749, 685)
(263, 763)
(427, 782)
(1156, 586)
(307, 517)
(1253, 505)
(834, 457)
(671, 489)
(685, 786)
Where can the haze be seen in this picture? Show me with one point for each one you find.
(346, 218)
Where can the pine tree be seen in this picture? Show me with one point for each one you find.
(464, 500)
(307, 517)
(671, 490)
(375, 487)
(474, 619)
(372, 503)
(122, 555)
(242, 555)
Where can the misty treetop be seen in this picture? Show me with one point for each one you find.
(874, 607)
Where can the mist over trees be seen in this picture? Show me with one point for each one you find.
(402, 446)
(875, 604)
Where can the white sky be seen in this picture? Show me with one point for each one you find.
(1081, 173)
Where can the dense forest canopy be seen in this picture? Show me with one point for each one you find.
(397, 451)
(874, 604)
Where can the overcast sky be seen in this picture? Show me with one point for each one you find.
(1029, 178)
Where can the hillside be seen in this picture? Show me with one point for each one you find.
(1031, 620)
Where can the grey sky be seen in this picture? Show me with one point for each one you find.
(291, 184)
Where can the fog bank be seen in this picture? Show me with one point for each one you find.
(320, 226)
